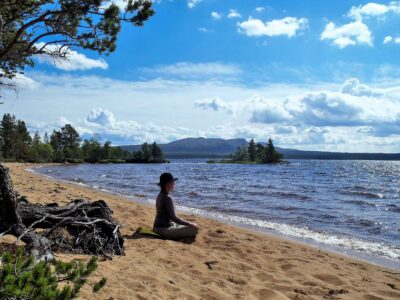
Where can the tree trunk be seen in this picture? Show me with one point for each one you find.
(80, 226)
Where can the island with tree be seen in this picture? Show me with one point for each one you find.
(254, 153)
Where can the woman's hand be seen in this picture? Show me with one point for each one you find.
(194, 225)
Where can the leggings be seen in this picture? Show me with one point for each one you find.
(176, 231)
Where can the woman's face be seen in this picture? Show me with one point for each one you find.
(170, 186)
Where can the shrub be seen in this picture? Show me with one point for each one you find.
(21, 277)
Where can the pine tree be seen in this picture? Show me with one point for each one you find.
(7, 134)
(270, 153)
(21, 277)
(107, 150)
(55, 140)
(36, 139)
(70, 141)
(251, 150)
(92, 150)
(156, 152)
(46, 139)
(56, 144)
(69, 137)
(22, 141)
(259, 151)
(146, 152)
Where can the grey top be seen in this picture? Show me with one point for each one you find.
(166, 212)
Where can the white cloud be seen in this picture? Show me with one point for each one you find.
(260, 9)
(215, 104)
(187, 69)
(101, 116)
(355, 105)
(103, 122)
(387, 39)
(318, 116)
(204, 29)
(353, 87)
(373, 10)
(349, 34)
(233, 13)
(193, 3)
(74, 60)
(288, 26)
(216, 15)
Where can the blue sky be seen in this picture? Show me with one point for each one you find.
(320, 75)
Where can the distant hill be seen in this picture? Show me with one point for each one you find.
(216, 148)
(196, 147)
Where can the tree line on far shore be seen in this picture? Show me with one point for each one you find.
(257, 153)
(65, 145)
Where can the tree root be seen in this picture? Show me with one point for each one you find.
(79, 227)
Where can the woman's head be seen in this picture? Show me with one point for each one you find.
(167, 182)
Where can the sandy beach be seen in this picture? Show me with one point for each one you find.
(225, 262)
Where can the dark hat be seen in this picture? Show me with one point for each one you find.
(166, 178)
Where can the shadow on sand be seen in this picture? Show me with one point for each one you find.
(137, 235)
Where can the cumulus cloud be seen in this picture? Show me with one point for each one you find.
(312, 109)
(349, 34)
(260, 9)
(216, 15)
(101, 116)
(386, 128)
(373, 10)
(215, 104)
(355, 105)
(233, 13)
(103, 122)
(74, 60)
(193, 3)
(327, 109)
(288, 26)
(387, 39)
(353, 87)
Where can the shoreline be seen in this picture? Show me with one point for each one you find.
(234, 221)
(244, 257)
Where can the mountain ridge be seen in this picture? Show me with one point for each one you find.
(217, 147)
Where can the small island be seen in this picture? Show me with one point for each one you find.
(254, 154)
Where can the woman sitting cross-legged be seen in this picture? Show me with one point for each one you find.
(166, 223)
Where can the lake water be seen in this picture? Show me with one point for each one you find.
(349, 206)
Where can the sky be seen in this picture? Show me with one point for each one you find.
(312, 75)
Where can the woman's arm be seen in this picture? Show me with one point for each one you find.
(172, 216)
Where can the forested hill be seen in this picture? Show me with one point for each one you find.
(214, 147)
(197, 147)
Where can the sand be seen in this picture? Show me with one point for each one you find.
(225, 262)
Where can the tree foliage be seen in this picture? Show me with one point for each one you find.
(52, 27)
(270, 155)
(251, 149)
(21, 277)
(65, 145)
(257, 153)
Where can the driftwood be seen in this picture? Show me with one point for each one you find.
(80, 226)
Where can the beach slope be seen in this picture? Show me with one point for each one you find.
(225, 262)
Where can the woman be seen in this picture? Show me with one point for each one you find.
(166, 223)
